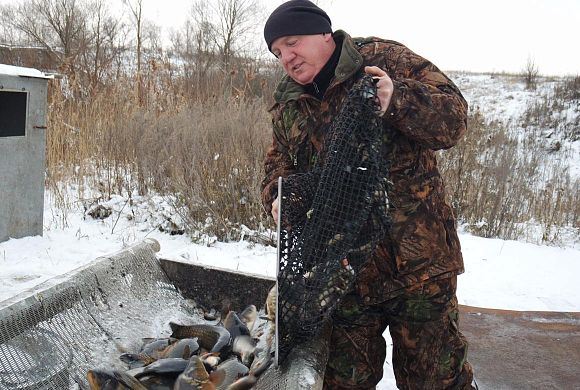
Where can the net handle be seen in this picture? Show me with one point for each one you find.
(279, 256)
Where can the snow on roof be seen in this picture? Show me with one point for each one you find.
(23, 72)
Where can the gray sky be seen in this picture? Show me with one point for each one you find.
(474, 35)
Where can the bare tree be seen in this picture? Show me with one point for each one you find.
(136, 7)
(105, 42)
(530, 74)
(228, 25)
(57, 25)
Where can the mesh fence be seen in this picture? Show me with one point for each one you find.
(327, 228)
(50, 340)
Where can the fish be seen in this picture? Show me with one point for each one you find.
(149, 352)
(271, 304)
(248, 381)
(155, 344)
(211, 337)
(168, 366)
(249, 316)
(244, 346)
(183, 348)
(211, 360)
(158, 382)
(112, 380)
(195, 377)
(235, 326)
(232, 370)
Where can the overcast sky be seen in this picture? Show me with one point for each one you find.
(475, 35)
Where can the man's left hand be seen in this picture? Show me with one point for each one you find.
(384, 86)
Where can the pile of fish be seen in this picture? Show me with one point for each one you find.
(217, 356)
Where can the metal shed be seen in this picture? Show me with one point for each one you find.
(23, 93)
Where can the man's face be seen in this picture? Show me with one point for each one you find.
(303, 56)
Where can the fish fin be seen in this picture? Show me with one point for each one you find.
(186, 352)
(129, 358)
(135, 360)
(128, 380)
(263, 367)
(174, 328)
(217, 376)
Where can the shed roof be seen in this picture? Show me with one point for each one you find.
(23, 72)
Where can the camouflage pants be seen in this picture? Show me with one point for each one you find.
(429, 352)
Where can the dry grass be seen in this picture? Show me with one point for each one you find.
(206, 153)
(204, 147)
(501, 179)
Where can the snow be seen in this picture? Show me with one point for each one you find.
(20, 71)
(499, 274)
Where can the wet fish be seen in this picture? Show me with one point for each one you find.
(112, 380)
(249, 316)
(271, 304)
(151, 345)
(169, 366)
(149, 353)
(211, 337)
(211, 360)
(158, 382)
(232, 371)
(195, 377)
(244, 346)
(182, 348)
(248, 381)
(235, 326)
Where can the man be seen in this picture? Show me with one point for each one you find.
(409, 282)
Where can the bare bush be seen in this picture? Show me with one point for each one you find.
(530, 74)
(499, 183)
(200, 130)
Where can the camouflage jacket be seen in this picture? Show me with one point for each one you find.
(427, 112)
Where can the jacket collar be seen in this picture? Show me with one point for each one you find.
(349, 63)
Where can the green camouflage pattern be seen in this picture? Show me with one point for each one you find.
(429, 352)
(427, 113)
(409, 282)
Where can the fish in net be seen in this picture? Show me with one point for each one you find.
(332, 217)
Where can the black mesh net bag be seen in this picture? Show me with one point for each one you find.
(331, 219)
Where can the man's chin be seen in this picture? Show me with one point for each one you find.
(302, 80)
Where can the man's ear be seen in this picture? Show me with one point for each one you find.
(327, 36)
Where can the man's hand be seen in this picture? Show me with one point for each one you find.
(275, 206)
(384, 86)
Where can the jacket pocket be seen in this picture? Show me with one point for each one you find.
(419, 239)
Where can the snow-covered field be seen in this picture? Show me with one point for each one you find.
(499, 274)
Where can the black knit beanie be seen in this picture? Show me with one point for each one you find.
(296, 17)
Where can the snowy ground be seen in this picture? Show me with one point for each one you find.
(499, 274)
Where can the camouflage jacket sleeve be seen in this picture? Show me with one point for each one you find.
(426, 106)
(279, 159)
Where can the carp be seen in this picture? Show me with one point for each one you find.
(235, 326)
(183, 348)
(211, 337)
(232, 370)
(248, 381)
(244, 346)
(195, 377)
(112, 380)
(169, 366)
(249, 316)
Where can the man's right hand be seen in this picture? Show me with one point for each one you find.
(275, 206)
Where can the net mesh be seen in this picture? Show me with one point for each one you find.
(327, 229)
(50, 340)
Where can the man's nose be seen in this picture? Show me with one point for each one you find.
(287, 56)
